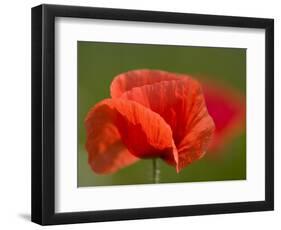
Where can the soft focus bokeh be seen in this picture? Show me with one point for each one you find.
(99, 62)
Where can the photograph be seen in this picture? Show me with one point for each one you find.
(151, 114)
(140, 114)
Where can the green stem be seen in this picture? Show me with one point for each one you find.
(155, 171)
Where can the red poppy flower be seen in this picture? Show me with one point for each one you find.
(151, 114)
(228, 110)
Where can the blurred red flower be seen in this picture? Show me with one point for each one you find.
(151, 114)
(227, 107)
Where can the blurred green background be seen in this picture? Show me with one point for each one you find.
(99, 62)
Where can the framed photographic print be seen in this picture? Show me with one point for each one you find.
(142, 114)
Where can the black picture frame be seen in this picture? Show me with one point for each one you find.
(43, 114)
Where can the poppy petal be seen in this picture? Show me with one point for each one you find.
(228, 110)
(138, 130)
(136, 78)
(106, 151)
(181, 104)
